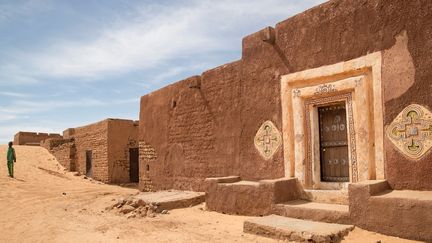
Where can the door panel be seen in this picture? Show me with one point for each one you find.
(333, 143)
(89, 163)
(134, 167)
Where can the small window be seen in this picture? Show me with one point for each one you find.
(147, 168)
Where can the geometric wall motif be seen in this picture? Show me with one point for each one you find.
(411, 131)
(267, 140)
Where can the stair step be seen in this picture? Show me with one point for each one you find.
(297, 230)
(406, 194)
(326, 196)
(324, 212)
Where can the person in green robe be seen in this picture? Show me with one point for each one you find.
(11, 159)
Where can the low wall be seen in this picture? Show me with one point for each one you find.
(33, 138)
(255, 198)
(63, 150)
(373, 208)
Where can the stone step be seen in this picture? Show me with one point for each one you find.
(172, 199)
(296, 230)
(326, 196)
(324, 212)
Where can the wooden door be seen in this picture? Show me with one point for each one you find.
(333, 143)
(89, 163)
(133, 169)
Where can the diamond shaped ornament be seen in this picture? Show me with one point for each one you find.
(267, 140)
(411, 131)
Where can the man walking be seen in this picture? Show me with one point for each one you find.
(11, 159)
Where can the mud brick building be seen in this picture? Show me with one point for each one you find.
(32, 138)
(106, 151)
(327, 116)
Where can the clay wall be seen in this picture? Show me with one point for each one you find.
(235, 99)
(32, 138)
(355, 28)
(65, 154)
(222, 195)
(122, 135)
(63, 150)
(406, 214)
(93, 137)
(190, 130)
(345, 29)
(68, 133)
(109, 140)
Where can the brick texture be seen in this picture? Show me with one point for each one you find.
(32, 138)
(109, 142)
(204, 126)
(63, 150)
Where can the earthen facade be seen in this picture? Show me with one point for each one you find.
(206, 123)
(32, 138)
(326, 117)
(262, 118)
(104, 150)
(64, 151)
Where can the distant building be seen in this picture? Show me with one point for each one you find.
(33, 138)
(106, 151)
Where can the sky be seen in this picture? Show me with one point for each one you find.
(70, 63)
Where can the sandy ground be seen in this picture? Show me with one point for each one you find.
(33, 208)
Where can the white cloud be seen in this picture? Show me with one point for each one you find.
(157, 35)
(164, 41)
(14, 94)
(26, 106)
(170, 73)
(18, 73)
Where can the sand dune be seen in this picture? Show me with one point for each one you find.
(44, 203)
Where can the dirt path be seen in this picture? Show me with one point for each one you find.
(46, 204)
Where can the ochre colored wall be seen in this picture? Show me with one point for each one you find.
(63, 150)
(122, 135)
(93, 137)
(210, 132)
(109, 140)
(32, 138)
(345, 29)
(194, 128)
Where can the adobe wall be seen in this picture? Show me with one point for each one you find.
(109, 140)
(32, 138)
(93, 137)
(367, 27)
(407, 214)
(190, 130)
(186, 139)
(63, 150)
(65, 154)
(68, 133)
(229, 195)
(122, 135)
(343, 30)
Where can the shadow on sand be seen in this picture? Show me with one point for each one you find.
(18, 179)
